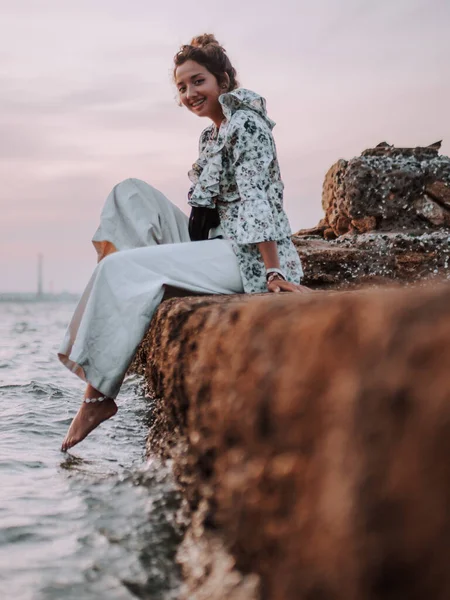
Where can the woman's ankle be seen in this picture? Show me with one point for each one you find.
(92, 393)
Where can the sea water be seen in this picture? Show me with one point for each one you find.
(97, 522)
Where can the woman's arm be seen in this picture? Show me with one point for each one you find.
(269, 253)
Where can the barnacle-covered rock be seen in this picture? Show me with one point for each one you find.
(374, 258)
(387, 218)
(380, 190)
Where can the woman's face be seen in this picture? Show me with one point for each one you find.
(198, 90)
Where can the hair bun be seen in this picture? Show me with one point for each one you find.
(207, 39)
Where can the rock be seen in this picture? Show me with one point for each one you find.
(311, 435)
(342, 225)
(385, 149)
(319, 229)
(331, 196)
(332, 177)
(440, 192)
(382, 189)
(329, 234)
(364, 224)
(374, 258)
(432, 212)
(387, 218)
(436, 145)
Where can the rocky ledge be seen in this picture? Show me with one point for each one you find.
(312, 447)
(310, 433)
(387, 218)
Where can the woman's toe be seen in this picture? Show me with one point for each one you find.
(67, 443)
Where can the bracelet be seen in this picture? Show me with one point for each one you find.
(271, 272)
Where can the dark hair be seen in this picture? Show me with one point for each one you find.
(206, 51)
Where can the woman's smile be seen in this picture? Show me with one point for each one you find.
(198, 103)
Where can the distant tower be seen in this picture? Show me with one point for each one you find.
(39, 281)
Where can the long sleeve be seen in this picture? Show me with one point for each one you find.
(261, 216)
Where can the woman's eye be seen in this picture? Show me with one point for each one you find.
(199, 81)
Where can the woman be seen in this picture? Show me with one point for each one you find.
(236, 240)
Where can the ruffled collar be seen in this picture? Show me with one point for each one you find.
(206, 171)
(242, 99)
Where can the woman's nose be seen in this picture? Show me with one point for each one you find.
(190, 92)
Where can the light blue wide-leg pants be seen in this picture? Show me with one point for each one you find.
(154, 251)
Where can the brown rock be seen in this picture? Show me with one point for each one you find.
(389, 150)
(374, 258)
(309, 433)
(436, 145)
(342, 225)
(329, 234)
(316, 429)
(382, 188)
(440, 192)
(432, 212)
(365, 224)
(330, 191)
(387, 218)
(313, 231)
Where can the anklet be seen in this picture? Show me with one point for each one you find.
(99, 399)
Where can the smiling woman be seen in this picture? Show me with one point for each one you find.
(236, 240)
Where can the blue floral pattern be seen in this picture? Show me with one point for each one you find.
(238, 172)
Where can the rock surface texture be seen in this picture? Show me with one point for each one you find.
(311, 433)
(387, 217)
(313, 447)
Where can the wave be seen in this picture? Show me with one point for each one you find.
(36, 388)
(23, 327)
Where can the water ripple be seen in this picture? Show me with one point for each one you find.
(98, 522)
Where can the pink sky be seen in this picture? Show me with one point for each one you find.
(86, 100)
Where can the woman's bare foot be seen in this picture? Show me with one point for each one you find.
(88, 417)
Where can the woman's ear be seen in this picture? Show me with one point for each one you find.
(225, 85)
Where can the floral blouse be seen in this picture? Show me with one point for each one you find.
(238, 172)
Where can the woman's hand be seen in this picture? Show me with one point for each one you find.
(277, 285)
